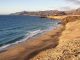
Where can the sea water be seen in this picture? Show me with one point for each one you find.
(15, 29)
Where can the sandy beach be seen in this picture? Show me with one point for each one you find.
(52, 45)
(29, 48)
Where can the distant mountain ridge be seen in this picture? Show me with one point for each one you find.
(40, 13)
(48, 13)
(74, 12)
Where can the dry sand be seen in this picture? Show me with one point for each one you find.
(68, 47)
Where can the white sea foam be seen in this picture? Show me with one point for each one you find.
(29, 35)
(4, 47)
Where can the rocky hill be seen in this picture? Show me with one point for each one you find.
(48, 13)
(73, 12)
(40, 13)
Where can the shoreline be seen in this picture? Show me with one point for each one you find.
(30, 48)
(54, 41)
(33, 37)
(19, 51)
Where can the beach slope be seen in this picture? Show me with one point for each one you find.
(69, 43)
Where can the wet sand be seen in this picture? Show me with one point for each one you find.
(29, 48)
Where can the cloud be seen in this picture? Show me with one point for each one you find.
(74, 1)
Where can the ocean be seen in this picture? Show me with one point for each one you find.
(15, 29)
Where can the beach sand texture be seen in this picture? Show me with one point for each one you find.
(68, 47)
(30, 48)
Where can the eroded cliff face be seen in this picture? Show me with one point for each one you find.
(69, 43)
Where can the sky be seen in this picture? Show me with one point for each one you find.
(11, 6)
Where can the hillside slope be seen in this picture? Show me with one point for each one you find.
(68, 47)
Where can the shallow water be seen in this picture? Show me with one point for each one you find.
(14, 29)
